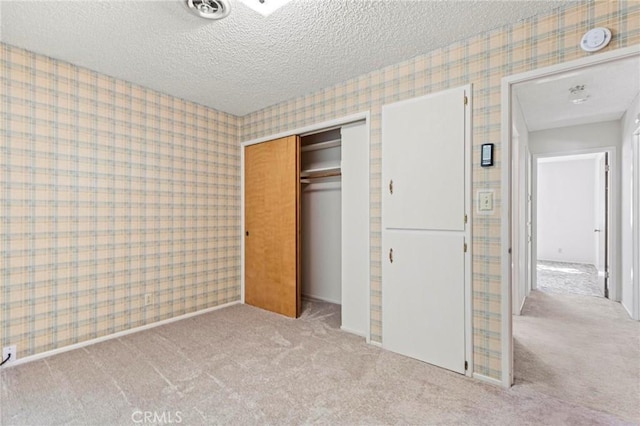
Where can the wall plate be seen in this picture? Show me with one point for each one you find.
(595, 39)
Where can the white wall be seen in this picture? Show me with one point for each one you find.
(590, 137)
(628, 126)
(575, 138)
(321, 242)
(566, 207)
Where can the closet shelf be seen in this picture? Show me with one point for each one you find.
(320, 172)
(321, 145)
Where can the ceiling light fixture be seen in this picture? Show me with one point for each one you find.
(209, 9)
(577, 94)
(265, 7)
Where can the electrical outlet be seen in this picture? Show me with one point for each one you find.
(9, 350)
(148, 299)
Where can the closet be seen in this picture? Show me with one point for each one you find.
(321, 216)
(425, 228)
(306, 222)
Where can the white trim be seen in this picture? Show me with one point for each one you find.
(117, 335)
(506, 140)
(468, 286)
(487, 379)
(307, 130)
(376, 344)
(636, 225)
(357, 333)
(312, 128)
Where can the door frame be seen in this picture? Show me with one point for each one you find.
(506, 239)
(303, 131)
(636, 221)
(613, 209)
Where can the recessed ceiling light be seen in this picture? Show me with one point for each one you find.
(577, 94)
(209, 9)
(265, 7)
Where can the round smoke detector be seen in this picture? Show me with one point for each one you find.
(209, 9)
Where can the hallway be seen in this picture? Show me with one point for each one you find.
(581, 349)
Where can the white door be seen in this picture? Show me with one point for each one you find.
(355, 228)
(423, 154)
(423, 303)
(424, 233)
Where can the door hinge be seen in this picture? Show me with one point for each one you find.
(466, 100)
(606, 275)
(391, 186)
(606, 167)
(465, 247)
(466, 365)
(465, 218)
(390, 255)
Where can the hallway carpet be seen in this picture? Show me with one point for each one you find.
(568, 278)
(245, 366)
(579, 349)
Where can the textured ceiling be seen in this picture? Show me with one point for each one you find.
(611, 88)
(246, 62)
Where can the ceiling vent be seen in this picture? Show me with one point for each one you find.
(209, 9)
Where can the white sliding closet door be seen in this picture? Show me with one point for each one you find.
(425, 232)
(355, 228)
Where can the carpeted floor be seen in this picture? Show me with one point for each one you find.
(580, 349)
(568, 278)
(241, 365)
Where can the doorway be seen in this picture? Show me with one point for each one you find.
(576, 330)
(571, 195)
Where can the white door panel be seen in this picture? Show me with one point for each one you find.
(423, 146)
(355, 228)
(423, 216)
(423, 297)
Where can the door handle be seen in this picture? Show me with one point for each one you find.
(390, 255)
(596, 230)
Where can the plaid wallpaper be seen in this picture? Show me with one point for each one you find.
(482, 60)
(109, 191)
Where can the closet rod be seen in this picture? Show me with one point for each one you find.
(308, 179)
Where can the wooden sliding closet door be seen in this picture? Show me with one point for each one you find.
(272, 181)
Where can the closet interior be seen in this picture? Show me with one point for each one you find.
(321, 216)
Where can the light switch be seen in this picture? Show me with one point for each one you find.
(485, 201)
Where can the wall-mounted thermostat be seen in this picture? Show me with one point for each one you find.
(486, 158)
(595, 39)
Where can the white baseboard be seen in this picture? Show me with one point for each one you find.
(627, 310)
(100, 339)
(374, 343)
(488, 379)
(321, 299)
(357, 333)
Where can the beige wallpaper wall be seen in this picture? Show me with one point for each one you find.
(483, 61)
(109, 191)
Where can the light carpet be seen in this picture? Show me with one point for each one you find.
(242, 365)
(568, 278)
(580, 349)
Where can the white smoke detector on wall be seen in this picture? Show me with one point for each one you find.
(595, 39)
